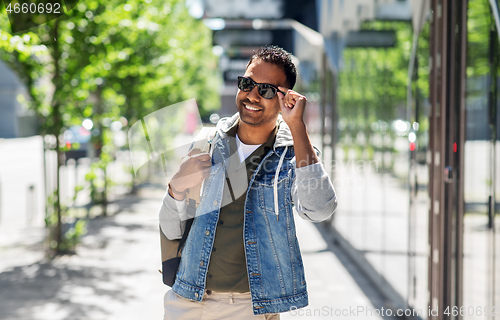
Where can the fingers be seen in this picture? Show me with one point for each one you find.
(195, 162)
(202, 161)
(205, 164)
(196, 153)
(280, 99)
(285, 90)
(291, 97)
(193, 172)
(202, 157)
(284, 99)
(195, 167)
(291, 100)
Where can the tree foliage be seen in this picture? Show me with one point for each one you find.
(479, 24)
(105, 60)
(373, 80)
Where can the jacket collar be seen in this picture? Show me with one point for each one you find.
(283, 136)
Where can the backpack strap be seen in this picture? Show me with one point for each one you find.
(202, 142)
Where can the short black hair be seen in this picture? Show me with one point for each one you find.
(279, 57)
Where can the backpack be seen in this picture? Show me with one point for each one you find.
(171, 249)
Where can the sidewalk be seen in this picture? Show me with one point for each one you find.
(337, 287)
(113, 276)
(115, 272)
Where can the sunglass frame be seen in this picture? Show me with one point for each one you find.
(259, 86)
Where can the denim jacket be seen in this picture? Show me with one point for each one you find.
(273, 258)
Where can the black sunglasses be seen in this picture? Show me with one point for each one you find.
(266, 90)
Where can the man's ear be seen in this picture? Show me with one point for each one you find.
(317, 151)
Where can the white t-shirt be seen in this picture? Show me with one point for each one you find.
(244, 150)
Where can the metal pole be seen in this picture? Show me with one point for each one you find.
(412, 70)
(323, 104)
(447, 126)
(459, 156)
(30, 204)
(492, 101)
(334, 120)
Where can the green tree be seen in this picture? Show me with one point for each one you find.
(107, 59)
(134, 58)
(479, 23)
(373, 88)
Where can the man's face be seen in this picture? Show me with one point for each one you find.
(268, 109)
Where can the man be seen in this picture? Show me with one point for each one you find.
(241, 259)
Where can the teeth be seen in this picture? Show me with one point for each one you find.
(251, 108)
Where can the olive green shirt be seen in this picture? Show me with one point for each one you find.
(227, 270)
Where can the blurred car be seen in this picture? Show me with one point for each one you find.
(77, 140)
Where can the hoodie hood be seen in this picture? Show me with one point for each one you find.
(283, 136)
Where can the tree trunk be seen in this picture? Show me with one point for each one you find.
(105, 193)
(56, 113)
(58, 230)
(99, 111)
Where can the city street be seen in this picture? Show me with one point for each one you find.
(114, 274)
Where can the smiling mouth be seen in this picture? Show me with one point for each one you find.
(251, 108)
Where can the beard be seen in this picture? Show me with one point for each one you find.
(258, 118)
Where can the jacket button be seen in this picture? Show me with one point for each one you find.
(196, 294)
(221, 222)
(201, 263)
(215, 202)
(207, 232)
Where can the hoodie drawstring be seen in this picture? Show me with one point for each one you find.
(275, 189)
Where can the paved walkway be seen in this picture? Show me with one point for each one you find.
(114, 274)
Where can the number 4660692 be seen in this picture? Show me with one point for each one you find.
(34, 8)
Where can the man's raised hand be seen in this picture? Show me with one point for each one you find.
(195, 168)
(292, 106)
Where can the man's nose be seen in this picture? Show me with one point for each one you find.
(254, 95)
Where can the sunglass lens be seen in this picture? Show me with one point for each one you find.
(245, 84)
(266, 91)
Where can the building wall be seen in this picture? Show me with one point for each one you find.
(22, 188)
(9, 89)
(15, 120)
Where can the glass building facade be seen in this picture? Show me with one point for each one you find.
(381, 171)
